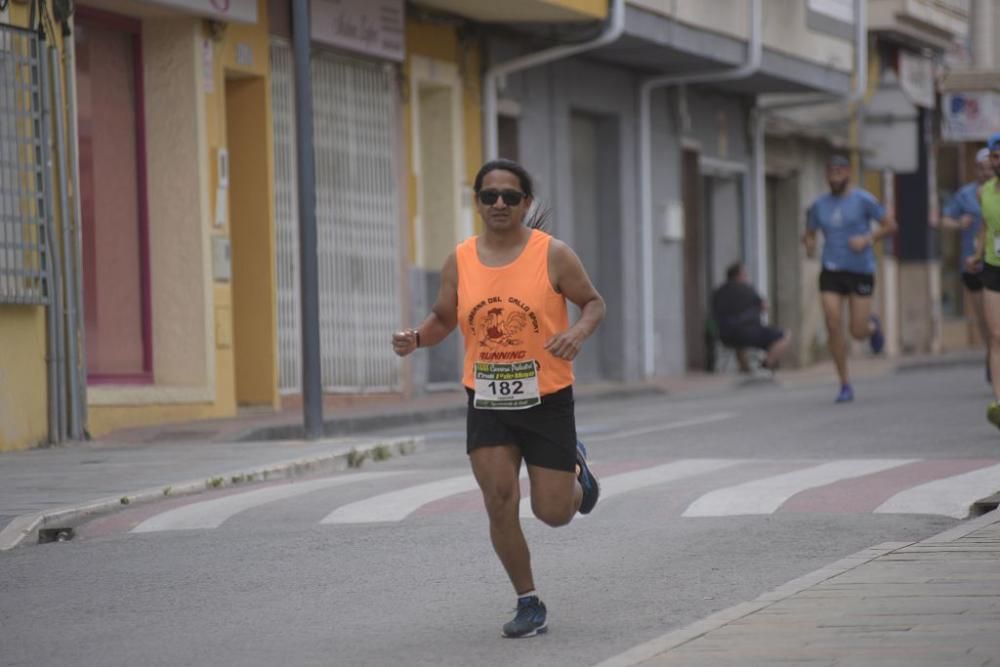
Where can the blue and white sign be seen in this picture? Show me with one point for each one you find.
(969, 116)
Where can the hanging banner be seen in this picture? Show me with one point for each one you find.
(969, 116)
(370, 27)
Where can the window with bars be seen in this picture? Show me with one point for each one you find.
(22, 203)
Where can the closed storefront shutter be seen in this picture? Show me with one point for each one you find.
(357, 211)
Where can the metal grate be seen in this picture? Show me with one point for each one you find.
(286, 217)
(357, 216)
(22, 160)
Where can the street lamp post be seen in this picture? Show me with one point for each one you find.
(312, 386)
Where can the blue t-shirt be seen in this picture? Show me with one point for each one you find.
(966, 201)
(840, 218)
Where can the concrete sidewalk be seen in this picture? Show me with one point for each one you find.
(931, 603)
(61, 486)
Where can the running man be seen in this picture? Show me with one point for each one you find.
(844, 216)
(506, 290)
(988, 248)
(962, 212)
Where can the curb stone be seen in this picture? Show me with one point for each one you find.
(24, 529)
(665, 643)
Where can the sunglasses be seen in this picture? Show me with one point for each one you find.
(510, 197)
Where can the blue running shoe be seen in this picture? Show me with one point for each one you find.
(877, 339)
(588, 480)
(846, 394)
(529, 621)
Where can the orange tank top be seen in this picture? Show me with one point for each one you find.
(507, 313)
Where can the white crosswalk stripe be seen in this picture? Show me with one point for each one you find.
(950, 496)
(614, 485)
(764, 496)
(213, 513)
(398, 505)
(718, 487)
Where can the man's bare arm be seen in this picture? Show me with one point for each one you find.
(442, 319)
(571, 280)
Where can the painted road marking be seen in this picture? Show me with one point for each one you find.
(398, 505)
(614, 485)
(213, 513)
(764, 496)
(669, 426)
(951, 496)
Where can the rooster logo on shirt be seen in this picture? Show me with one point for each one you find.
(499, 331)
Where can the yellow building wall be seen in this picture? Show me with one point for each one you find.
(441, 43)
(596, 8)
(23, 396)
(240, 52)
(23, 378)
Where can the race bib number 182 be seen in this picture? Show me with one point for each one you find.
(511, 386)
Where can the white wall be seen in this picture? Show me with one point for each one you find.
(785, 29)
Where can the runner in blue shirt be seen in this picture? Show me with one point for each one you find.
(962, 212)
(844, 216)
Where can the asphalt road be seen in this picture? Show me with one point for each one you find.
(710, 501)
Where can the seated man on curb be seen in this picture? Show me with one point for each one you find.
(737, 309)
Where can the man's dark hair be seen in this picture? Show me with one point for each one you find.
(538, 216)
(734, 270)
(527, 185)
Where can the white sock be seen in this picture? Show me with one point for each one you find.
(531, 593)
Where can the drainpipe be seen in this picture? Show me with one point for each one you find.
(79, 332)
(749, 68)
(612, 31)
(759, 119)
(53, 266)
(70, 291)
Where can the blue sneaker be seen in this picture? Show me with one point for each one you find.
(529, 621)
(588, 480)
(846, 394)
(877, 339)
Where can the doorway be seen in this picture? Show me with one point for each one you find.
(251, 235)
(442, 217)
(116, 286)
(597, 236)
(695, 272)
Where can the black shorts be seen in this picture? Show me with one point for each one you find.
(759, 336)
(847, 282)
(990, 277)
(972, 281)
(546, 433)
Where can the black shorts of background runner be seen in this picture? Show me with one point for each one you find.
(972, 281)
(545, 433)
(847, 282)
(990, 277)
(758, 336)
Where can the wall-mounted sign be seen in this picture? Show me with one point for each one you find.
(916, 78)
(233, 11)
(833, 17)
(372, 27)
(969, 116)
